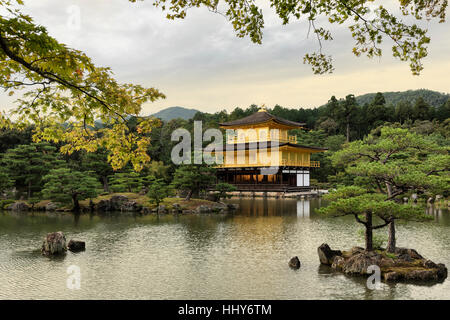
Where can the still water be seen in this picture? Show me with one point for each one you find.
(239, 256)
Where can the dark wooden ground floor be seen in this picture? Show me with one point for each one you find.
(286, 179)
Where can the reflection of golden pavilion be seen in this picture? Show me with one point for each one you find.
(260, 155)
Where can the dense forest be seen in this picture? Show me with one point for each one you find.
(34, 171)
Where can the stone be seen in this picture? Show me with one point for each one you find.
(408, 265)
(294, 263)
(203, 209)
(392, 276)
(131, 205)
(76, 246)
(326, 255)
(405, 257)
(176, 207)
(161, 209)
(410, 252)
(442, 271)
(103, 206)
(338, 263)
(146, 210)
(358, 263)
(54, 244)
(232, 206)
(117, 201)
(51, 206)
(18, 206)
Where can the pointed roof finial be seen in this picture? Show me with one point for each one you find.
(263, 108)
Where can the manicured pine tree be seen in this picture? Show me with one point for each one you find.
(70, 186)
(370, 209)
(395, 164)
(26, 164)
(193, 178)
(128, 181)
(158, 189)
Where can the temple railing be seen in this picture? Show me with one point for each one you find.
(283, 162)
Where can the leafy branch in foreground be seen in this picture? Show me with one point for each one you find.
(368, 24)
(65, 93)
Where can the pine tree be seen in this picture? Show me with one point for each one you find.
(69, 186)
(26, 164)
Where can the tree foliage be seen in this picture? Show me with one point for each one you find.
(26, 164)
(69, 186)
(158, 189)
(368, 23)
(65, 93)
(193, 179)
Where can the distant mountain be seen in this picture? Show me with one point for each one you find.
(433, 98)
(175, 113)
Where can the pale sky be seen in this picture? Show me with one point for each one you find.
(199, 62)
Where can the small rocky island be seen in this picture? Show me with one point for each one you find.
(405, 265)
(129, 203)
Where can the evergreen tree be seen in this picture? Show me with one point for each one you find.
(396, 163)
(403, 111)
(97, 162)
(69, 186)
(443, 111)
(193, 179)
(26, 164)
(128, 181)
(421, 110)
(158, 189)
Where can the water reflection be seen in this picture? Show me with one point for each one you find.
(238, 256)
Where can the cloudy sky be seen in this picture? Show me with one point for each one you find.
(199, 63)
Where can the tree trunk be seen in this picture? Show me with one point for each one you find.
(348, 131)
(369, 232)
(189, 195)
(29, 190)
(391, 227)
(391, 240)
(105, 184)
(76, 204)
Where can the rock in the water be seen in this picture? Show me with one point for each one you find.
(18, 206)
(403, 265)
(76, 246)
(326, 255)
(294, 263)
(54, 244)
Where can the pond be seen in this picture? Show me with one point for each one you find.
(235, 256)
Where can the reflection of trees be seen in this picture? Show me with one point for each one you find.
(440, 215)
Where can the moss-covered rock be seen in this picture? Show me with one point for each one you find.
(403, 265)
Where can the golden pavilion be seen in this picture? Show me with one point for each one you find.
(260, 155)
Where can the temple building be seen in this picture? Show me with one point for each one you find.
(260, 155)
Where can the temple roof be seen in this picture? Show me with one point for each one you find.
(260, 117)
